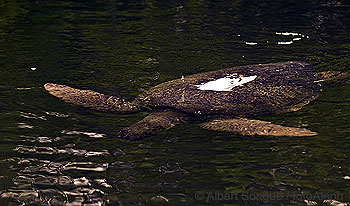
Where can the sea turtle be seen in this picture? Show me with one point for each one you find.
(226, 97)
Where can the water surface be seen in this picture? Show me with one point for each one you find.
(54, 153)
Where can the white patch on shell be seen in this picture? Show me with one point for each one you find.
(226, 83)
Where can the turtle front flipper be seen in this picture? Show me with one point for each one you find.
(155, 122)
(248, 127)
(91, 99)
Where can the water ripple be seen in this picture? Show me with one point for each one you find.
(90, 134)
(57, 114)
(86, 166)
(52, 150)
(24, 126)
(37, 184)
(29, 115)
(37, 139)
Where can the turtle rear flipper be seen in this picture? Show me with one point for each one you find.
(333, 77)
(91, 99)
(248, 127)
(155, 122)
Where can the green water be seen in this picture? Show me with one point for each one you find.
(53, 153)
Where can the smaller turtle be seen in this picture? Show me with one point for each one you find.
(224, 97)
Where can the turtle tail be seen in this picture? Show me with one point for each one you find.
(92, 100)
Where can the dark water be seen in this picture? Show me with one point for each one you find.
(52, 153)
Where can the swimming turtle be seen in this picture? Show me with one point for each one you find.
(227, 97)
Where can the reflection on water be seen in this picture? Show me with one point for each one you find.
(31, 116)
(28, 88)
(290, 40)
(90, 134)
(50, 150)
(45, 183)
(24, 126)
(57, 114)
(53, 153)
